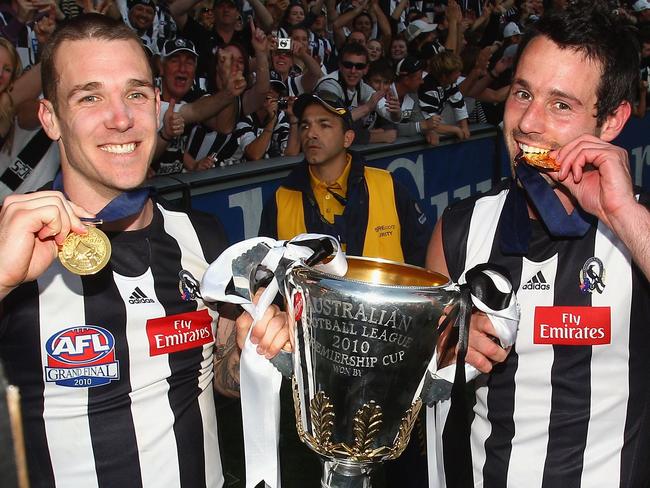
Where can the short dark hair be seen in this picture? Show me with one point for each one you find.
(382, 67)
(301, 26)
(82, 27)
(362, 14)
(588, 27)
(354, 49)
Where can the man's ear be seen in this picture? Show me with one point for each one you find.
(49, 120)
(157, 92)
(348, 138)
(614, 123)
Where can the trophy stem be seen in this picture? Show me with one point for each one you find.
(337, 474)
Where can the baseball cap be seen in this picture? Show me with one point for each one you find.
(511, 29)
(408, 65)
(418, 27)
(641, 5)
(179, 44)
(328, 100)
(132, 3)
(279, 86)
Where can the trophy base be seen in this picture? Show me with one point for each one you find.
(339, 474)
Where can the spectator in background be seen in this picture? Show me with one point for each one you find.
(295, 15)
(28, 158)
(295, 66)
(367, 17)
(380, 77)
(272, 130)
(440, 88)
(422, 39)
(225, 30)
(398, 48)
(212, 143)
(204, 15)
(347, 83)
(10, 70)
(641, 10)
(152, 22)
(358, 37)
(320, 44)
(375, 50)
(402, 106)
(178, 66)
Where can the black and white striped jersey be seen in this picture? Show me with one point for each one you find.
(115, 369)
(30, 163)
(250, 127)
(570, 405)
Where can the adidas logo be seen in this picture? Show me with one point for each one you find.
(138, 296)
(537, 282)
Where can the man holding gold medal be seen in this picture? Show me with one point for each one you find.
(111, 345)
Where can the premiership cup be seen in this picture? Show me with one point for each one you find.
(363, 343)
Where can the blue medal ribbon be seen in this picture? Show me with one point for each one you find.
(125, 205)
(515, 225)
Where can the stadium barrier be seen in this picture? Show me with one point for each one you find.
(437, 175)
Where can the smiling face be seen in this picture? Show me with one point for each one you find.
(295, 15)
(352, 75)
(374, 50)
(177, 74)
(141, 16)
(398, 49)
(106, 118)
(547, 108)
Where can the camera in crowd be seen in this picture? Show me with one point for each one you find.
(284, 44)
(283, 103)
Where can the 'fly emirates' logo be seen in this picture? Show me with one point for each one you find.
(179, 332)
(572, 326)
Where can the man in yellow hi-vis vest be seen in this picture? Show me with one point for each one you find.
(333, 192)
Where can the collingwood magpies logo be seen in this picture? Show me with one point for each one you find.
(592, 276)
(188, 286)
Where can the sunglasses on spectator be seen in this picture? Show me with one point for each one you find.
(205, 10)
(350, 65)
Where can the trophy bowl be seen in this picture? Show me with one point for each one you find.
(363, 344)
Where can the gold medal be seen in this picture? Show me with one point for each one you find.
(85, 254)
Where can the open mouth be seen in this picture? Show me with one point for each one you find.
(526, 149)
(119, 148)
(536, 157)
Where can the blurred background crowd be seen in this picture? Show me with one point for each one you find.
(403, 67)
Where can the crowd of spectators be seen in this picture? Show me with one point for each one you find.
(229, 70)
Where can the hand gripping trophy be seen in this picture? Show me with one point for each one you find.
(364, 334)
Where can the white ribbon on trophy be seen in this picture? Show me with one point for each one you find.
(231, 279)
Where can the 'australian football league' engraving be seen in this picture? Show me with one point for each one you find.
(355, 335)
